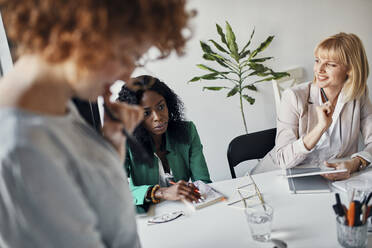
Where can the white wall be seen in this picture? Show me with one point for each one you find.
(298, 26)
(5, 57)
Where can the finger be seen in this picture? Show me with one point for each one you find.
(106, 95)
(188, 195)
(337, 176)
(329, 176)
(331, 165)
(189, 190)
(182, 182)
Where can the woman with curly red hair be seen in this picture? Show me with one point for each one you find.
(61, 182)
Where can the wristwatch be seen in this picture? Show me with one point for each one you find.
(363, 163)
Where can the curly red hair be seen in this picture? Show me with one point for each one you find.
(84, 29)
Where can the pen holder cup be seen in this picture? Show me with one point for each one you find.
(351, 237)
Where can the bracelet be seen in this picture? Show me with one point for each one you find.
(155, 188)
(148, 195)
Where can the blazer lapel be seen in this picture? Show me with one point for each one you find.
(174, 158)
(313, 102)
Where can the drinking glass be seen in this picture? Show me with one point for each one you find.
(259, 219)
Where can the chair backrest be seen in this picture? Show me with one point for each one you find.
(250, 146)
(279, 85)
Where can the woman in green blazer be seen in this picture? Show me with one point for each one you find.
(173, 144)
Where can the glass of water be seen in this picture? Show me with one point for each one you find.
(259, 219)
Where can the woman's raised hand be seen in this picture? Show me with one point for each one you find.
(129, 115)
(324, 113)
(179, 191)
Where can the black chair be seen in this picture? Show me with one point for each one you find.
(250, 146)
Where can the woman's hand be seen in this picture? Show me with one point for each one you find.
(130, 117)
(179, 191)
(324, 113)
(350, 165)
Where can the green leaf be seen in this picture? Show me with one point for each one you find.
(207, 56)
(213, 56)
(250, 87)
(222, 35)
(233, 91)
(249, 99)
(249, 42)
(231, 42)
(263, 46)
(258, 68)
(205, 47)
(222, 63)
(216, 57)
(204, 67)
(214, 88)
(265, 79)
(244, 54)
(194, 79)
(258, 73)
(261, 59)
(210, 76)
(218, 46)
(279, 75)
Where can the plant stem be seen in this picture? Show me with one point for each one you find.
(241, 100)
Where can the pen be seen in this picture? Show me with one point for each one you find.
(324, 94)
(364, 213)
(368, 198)
(358, 212)
(351, 214)
(131, 140)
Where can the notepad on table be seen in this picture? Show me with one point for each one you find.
(311, 184)
(209, 194)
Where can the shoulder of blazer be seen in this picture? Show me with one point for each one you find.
(305, 92)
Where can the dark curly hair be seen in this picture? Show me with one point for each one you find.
(177, 127)
(60, 29)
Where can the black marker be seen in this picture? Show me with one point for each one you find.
(324, 94)
(132, 142)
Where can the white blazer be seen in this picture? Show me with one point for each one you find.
(297, 117)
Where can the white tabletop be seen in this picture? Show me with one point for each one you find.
(301, 220)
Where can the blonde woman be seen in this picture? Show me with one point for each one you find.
(61, 182)
(315, 126)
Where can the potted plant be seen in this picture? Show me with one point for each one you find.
(236, 66)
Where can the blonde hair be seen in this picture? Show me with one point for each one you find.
(348, 50)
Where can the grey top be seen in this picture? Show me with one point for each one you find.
(61, 184)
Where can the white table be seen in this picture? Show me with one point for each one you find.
(301, 220)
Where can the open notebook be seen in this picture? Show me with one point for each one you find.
(209, 194)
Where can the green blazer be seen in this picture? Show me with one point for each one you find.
(186, 161)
